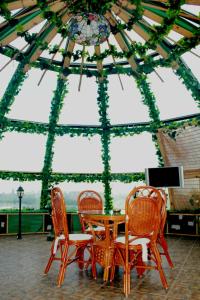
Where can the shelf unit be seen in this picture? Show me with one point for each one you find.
(179, 223)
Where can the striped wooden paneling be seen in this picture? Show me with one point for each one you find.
(184, 151)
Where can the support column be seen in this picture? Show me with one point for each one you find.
(8, 98)
(189, 80)
(56, 106)
(150, 101)
(102, 101)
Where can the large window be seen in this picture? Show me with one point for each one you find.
(7, 73)
(125, 106)
(22, 152)
(77, 154)
(33, 102)
(173, 98)
(72, 190)
(8, 194)
(133, 154)
(120, 191)
(80, 107)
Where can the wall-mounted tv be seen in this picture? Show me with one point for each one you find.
(169, 177)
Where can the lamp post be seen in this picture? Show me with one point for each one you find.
(20, 193)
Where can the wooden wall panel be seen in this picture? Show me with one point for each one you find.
(183, 150)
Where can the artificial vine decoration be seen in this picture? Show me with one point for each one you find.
(8, 98)
(56, 178)
(150, 100)
(162, 30)
(86, 131)
(102, 101)
(56, 106)
(190, 81)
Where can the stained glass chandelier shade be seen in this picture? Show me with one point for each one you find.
(88, 29)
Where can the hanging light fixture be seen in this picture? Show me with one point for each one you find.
(88, 29)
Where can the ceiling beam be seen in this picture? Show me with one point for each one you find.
(99, 61)
(125, 16)
(46, 36)
(9, 32)
(120, 38)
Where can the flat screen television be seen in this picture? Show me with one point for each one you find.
(169, 177)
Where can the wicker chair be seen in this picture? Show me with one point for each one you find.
(161, 238)
(139, 244)
(90, 200)
(63, 240)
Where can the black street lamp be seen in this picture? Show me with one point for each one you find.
(20, 194)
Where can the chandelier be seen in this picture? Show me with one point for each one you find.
(88, 29)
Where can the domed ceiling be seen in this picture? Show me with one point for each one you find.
(128, 33)
(94, 38)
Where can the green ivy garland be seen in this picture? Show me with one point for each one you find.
(56, 105)
(162, 30)
(102, 101)
(150, 100)
(85, 131)
(183, 45)
(8, 98)
(190, 81)
(56, 178)
(172, 12)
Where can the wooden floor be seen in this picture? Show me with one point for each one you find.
(22, 263)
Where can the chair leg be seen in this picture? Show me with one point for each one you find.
(64, 260)
(93, 262)
(127, 282)
(51, 258)
(164, 245)
(159, 266)
(80, 255)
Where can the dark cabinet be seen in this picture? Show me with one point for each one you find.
(183, 223)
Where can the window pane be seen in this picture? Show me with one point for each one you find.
(133, 154)
(6, 74)
(77, 154)
(193, 61)
(22, 152)
(72, 190)
(125, 106)
(33, 102)
(80, 107)
(120, 191)
(8, 194)
(173, 98)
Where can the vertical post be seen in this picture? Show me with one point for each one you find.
(149, 100)
(19, 235)
(20, 192)
(103, 104)
(8, 98)
(56, 106)
(189, 80)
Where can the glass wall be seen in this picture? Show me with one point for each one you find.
(8, 194)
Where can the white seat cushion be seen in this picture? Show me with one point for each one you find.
(72, 237)
(79, 237)
(138, 241)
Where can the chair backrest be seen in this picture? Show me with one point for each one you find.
(89, 200)
(143, 212)
(163, 208)
(59, 216)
